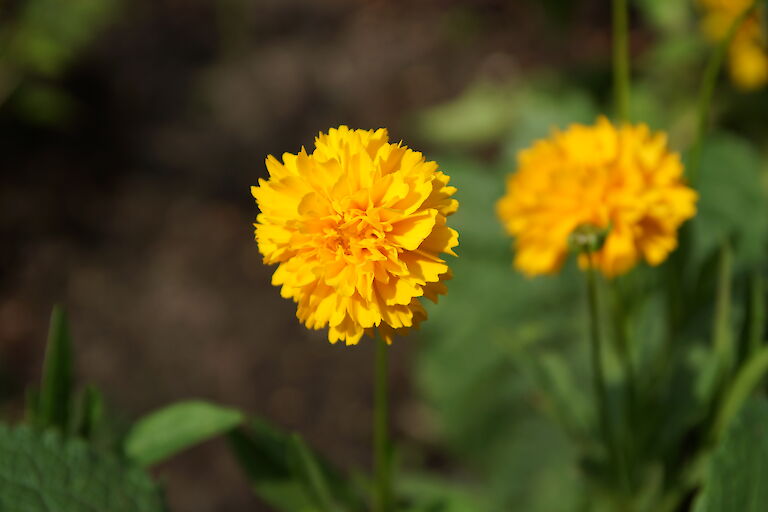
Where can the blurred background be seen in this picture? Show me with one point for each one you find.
(131, 131)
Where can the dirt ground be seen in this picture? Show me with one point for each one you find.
(137, 214)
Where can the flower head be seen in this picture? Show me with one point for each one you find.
(357, 228)
(620, 179)
(747, 53)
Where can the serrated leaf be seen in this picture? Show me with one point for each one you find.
(738, 471)
(177, 427)
(43, 472)
(55, 389)
(281, 469)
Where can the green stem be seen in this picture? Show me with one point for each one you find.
(621, 75)
(707, 91)
(382, 501)
(722, 337)
(628, 368)
(756, 312)
(596, 351)
(598, 372)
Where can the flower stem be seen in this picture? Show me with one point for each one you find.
(596, 350)
(382, 500)
(598, 374)
(707, 91)
(621, 75)
(624, 353)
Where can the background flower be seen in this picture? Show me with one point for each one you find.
(357, 228)
(747, 54)
(623, 179)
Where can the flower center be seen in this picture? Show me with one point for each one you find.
(355, 230)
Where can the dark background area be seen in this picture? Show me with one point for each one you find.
(124, 195)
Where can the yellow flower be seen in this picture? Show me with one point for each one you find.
(356, 228)
(747, 54)
(623, 179)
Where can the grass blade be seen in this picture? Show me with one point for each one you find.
(55, 389)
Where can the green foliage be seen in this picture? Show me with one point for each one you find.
(732, 204)
(745, 382)
(41, 39)
(44, 104)
(487, 113)
(88, 413)
(46, 36)
(43, 472)
(665, 15)
(503, 362)
(736, 479)
(425, 493)
(287, 475)
(474, 365)
(56, 387)
(172, 429)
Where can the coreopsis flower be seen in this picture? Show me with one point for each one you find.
(621, 180)
(748, 52)
(357, 229)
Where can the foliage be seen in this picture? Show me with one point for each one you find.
(176, 427)
(89, 465)
(42, 39)
(42, 471)
(736, 476)
(504, 365)
(503, 362)
(285, 474)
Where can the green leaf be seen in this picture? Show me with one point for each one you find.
(722, 328)
(426, 493)
(665, 15)
(177, 427)
(44, 104)
(311, 474)
(285, 474)
(489, 113)
(55, 388)
(47, 38)
(482, 114)
(738, 471)
(88, 413)
(43, 472)
(746, 381)
(732, 203)
(756, 312)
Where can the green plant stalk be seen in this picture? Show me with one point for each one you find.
(621, 74)
(56, 385)
(707, 91)
(746, 381)
(628, 368)
(722, 337)
(598, 372)
(756, 329)
(382, 499)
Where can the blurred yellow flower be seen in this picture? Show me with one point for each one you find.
(357, 228)
(623, 179)
(748, 53)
